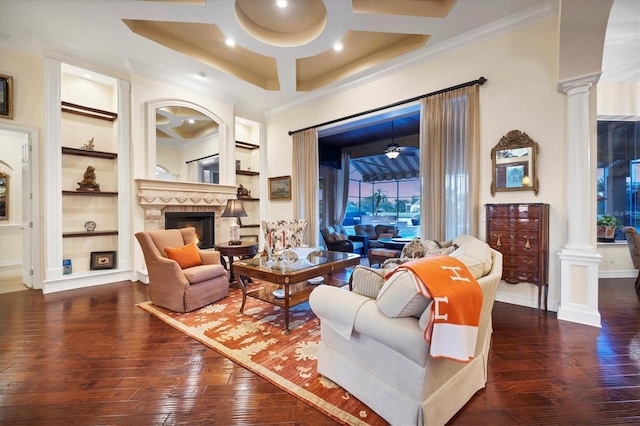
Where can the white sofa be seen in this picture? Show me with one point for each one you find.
(385, 361)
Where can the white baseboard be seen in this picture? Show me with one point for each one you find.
(618, 274)
(552, 305)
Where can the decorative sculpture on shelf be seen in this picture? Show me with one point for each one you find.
(89, 182)
(89, 145)
(243, 192)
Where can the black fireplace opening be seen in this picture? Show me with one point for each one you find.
(202, 221)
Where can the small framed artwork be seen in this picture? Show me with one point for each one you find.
(6, 96)
(103, 260)
(280, 188)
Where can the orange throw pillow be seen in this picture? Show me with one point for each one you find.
(186, 256)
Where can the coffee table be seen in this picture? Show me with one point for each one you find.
(293, 278)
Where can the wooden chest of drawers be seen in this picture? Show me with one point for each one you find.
(521, 233)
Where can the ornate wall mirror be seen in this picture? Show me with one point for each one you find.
(186, 141)
(4, 196)
(514, 161)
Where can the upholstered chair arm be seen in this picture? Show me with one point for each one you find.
(340, 245)
(362, 238)
(210, 257)
(166, 272)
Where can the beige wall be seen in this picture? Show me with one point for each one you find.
(27, 72)
(521, 68)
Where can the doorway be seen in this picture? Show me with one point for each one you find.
(19, 253)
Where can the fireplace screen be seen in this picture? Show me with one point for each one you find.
(202, 221)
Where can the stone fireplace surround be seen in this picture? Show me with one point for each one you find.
(158, 196)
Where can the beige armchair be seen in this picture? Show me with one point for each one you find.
(175, 288)
(633, 241)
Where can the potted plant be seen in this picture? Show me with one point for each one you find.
(607, 225)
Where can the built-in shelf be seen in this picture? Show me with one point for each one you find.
(91, 193)
(88, 112)
(247, 172)
(89, 153)
(246, 145)
(88, 234)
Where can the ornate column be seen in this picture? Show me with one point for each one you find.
(579, 259)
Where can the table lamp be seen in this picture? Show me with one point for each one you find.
(235, 210)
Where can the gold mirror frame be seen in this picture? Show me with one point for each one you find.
(514, 161)
(4, 196)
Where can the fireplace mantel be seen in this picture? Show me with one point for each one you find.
(156, 196)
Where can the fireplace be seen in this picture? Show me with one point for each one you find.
(204, 222)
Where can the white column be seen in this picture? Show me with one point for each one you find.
(578, 258)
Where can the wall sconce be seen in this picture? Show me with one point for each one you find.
(526, 181)
(235, 210)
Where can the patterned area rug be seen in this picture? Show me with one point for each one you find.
(254, 339)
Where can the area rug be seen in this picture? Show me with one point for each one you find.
(255, 340)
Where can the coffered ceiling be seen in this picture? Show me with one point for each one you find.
(281, 57)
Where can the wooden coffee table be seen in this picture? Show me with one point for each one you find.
(292, 279)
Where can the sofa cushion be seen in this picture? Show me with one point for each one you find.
(367, 281)
(386, 229)
(186, 256)
(368, 230)
(474, 253)
(413, 249)
(200, 273)
(399, 296)
(434, 248)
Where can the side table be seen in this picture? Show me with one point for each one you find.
(245, 250)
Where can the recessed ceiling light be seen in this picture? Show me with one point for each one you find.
(230, 42)
(191, 121)
(281, 3)
(337, 47)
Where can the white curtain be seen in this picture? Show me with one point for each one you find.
(449, 144)
(342, 190)
(304, 183)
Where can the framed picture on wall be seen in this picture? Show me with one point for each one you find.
(280, 188)
(6, 96)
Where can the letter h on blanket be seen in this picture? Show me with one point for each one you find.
(455, 316)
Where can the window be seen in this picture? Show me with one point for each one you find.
(618, 172)
(393, 201)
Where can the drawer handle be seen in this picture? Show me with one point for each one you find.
(498, 242)
(512, 248)
(512, 260)
(512, 236)
(527, 245)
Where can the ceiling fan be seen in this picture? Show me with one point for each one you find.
(393, 149)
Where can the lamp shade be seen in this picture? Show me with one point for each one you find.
(234, 209)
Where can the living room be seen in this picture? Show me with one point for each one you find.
(524, 65)
(532, 76)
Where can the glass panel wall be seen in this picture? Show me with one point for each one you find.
(618, 172)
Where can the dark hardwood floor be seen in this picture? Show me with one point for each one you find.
(91, 357)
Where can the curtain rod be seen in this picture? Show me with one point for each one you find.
(202, 158)
(479, 81)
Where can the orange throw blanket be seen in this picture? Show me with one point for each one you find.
(457, 301)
